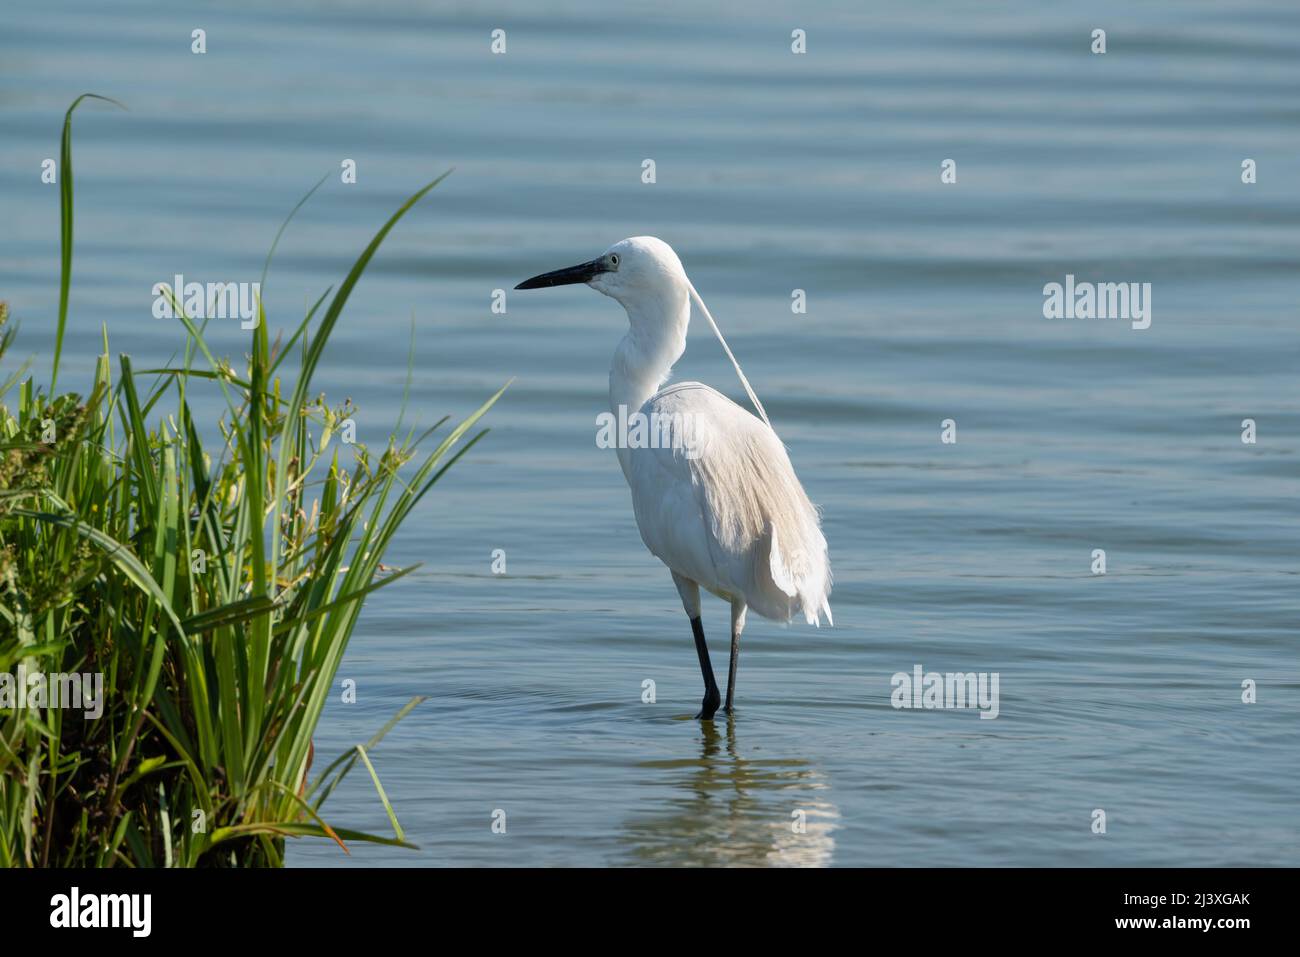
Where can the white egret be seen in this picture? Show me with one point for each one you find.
(715, 496)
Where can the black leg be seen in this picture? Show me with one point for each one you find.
(738, 610)
(712, 698)
(731, 669)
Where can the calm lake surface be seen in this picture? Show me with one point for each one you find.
(775, 172)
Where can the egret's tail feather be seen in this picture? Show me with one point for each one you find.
(758, 506)
(800, 572)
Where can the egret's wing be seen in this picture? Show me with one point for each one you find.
(719, 502)
(671, 507)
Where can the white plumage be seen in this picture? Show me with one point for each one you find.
(734, 519)
(716, 498)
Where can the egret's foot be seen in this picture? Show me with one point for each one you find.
(709, 706)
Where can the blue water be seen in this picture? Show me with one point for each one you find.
(1120, 692)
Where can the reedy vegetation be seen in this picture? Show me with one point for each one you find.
(217, 595)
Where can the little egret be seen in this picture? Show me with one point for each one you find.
(715, 496)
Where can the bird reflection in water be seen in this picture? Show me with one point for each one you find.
(734, 811)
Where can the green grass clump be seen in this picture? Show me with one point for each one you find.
(215, 589)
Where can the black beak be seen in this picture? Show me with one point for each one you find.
(583, 272)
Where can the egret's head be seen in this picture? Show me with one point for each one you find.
(630, 271)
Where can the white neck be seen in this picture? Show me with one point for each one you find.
(656, 339)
